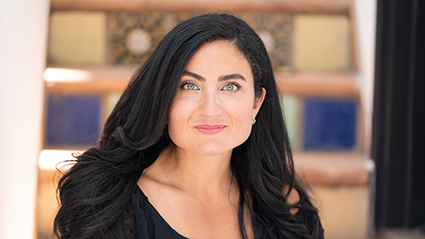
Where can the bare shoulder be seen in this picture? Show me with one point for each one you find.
(292, 199)
(156, 175)
(153, 180)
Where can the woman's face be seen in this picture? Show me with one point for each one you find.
(212, 110)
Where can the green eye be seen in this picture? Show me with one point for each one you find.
(190, 86)
(230, 87)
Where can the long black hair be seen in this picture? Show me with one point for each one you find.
(97, 188)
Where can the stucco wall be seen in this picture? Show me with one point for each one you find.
(23, 29)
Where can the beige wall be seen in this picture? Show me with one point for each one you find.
(23, 29)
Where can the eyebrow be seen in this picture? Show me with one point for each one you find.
(220, 78)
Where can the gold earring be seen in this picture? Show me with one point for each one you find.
(253, 121)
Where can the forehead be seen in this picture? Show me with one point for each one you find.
(219, 56)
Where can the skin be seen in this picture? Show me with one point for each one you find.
(191, 183)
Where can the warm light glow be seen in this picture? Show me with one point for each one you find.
(49, 159)
(66, 75)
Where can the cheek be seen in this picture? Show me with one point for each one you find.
(179, 110)
(178, 119)
(242, 116)
(241, 108)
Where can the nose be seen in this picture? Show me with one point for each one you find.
(210, 106)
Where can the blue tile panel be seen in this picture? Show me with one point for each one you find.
(73, 119)
(330, 124)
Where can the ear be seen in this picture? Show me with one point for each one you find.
(258, 102)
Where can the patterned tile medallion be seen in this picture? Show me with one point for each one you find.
(133, 36)
(275, 29)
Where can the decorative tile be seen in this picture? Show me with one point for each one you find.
(77, 38)
(133, 36)
(177, 18)
(330, 124)
(109, 101)
(275, 29)
(321, 43)
(289, 105)
(72, 119)
(129, 31)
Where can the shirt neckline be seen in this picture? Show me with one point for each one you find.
(158, 215)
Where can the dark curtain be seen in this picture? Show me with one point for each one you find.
(398, 145)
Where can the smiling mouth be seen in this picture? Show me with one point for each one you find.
(210, 129)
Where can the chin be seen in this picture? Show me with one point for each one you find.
(215, 149)
(212, 151)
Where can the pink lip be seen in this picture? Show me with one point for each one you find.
(210, 129)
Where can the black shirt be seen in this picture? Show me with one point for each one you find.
(142, 221)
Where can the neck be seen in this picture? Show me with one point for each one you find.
(200, 174)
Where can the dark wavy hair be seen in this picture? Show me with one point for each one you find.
(97, 188)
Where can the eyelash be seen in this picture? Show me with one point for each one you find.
(184, 85)
(196, 87)
(232, 83)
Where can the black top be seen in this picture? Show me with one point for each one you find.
(142, 221)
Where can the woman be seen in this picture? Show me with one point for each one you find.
(195, 148)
